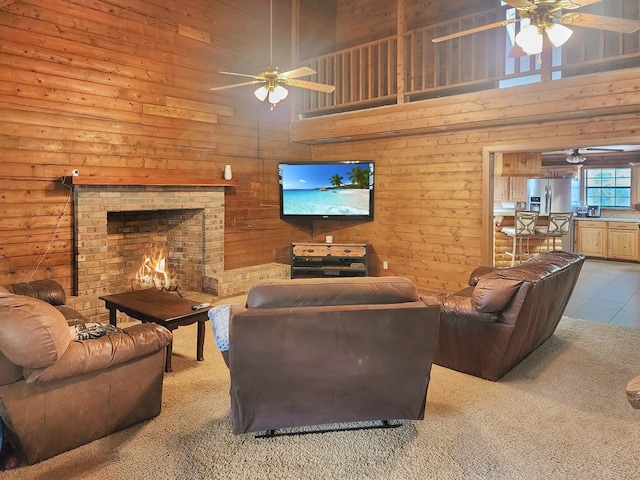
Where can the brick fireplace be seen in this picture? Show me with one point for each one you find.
(115, 223)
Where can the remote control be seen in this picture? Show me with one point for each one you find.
(200, 306)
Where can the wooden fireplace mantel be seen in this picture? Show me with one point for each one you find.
(177, 181)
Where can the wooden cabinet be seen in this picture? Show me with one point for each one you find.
(601, 239)
(591, 238)
(518, 189)
(518, 164)
(510, 189)
(635, 184)
(329, 260)
(622, 240)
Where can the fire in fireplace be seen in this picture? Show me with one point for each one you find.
(154, 273)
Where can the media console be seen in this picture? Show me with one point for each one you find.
(309, 260)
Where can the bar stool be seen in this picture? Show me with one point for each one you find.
(524, 227)
(559, 224)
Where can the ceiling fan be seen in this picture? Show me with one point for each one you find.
(576, 157)
(547, 16)
(273, 81)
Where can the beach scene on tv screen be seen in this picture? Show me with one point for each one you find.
(325, 189)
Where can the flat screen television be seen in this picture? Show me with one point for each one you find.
(327, 190)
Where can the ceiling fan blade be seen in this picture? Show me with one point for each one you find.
(224, 87)
(320, 87)
(519, 3)
(474, 30)
(614, 24)
(298, 72)
(242, 75)
(596, 149)
(573, 4)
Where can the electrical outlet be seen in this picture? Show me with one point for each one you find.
(385, 265)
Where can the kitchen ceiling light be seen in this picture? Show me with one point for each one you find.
(576, 157)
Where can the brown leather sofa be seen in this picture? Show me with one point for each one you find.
(57, 393)
(504, 315)
(324, 351)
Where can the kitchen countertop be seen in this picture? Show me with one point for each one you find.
(609, 219)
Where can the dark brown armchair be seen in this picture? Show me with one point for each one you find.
(323, 351)
(57, 393)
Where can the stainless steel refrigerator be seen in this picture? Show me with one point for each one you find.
(546, 195)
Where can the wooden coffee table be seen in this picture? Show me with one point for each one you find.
(161, 307)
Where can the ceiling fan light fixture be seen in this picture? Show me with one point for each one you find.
(576, 157)
(261, 93)
(277, 94)
(530, 39)
(558, 34)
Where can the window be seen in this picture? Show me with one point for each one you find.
(608, 187)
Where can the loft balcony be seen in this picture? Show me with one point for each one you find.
(409, 67)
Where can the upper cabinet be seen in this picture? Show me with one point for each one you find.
(521, 164)
(510, 189)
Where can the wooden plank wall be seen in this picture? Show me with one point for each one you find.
(429, 190)
(362, 21)
(317, 28)
(431, 182)
(428, 197)
(120, 88)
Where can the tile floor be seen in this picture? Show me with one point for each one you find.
(607, 292)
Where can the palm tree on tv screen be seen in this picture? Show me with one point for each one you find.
(359, 177)
(336, 180)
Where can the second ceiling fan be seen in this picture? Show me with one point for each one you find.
(273, 82)
(548, 16)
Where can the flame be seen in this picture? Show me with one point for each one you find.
(153, 273)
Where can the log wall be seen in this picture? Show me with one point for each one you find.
(433, 208)
(121, 88)
(362, 21)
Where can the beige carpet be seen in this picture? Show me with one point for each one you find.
(561, 414)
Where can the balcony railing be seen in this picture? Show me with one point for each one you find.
(362, 75)
(412, 67)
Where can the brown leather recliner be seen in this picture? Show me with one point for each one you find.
(323, 351)
(51, 292)
(505, 314)
(57, 393)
